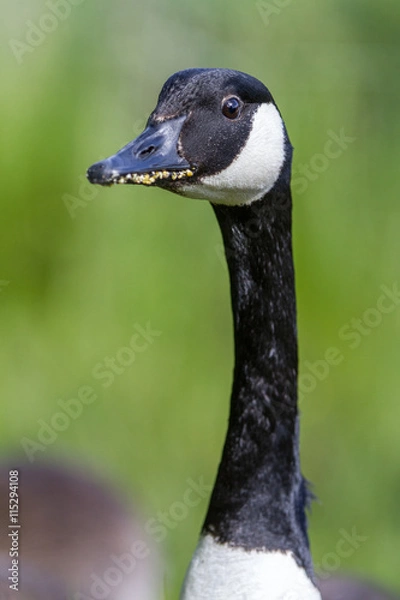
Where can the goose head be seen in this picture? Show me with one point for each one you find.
(215, 134)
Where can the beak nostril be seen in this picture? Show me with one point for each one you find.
(147, 151)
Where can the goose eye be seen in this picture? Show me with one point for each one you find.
(231, 108)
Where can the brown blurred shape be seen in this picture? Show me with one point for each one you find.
(78, 538)
(348, 588)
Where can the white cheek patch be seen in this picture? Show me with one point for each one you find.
(254, 171)
(222, 572)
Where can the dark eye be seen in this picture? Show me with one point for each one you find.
(231, 107)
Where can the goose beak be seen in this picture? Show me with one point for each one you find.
(151, 157)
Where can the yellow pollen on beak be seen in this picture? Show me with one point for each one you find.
(151, 178)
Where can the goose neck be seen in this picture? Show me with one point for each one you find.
(259, 497)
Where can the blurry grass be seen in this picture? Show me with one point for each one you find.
(78, 286)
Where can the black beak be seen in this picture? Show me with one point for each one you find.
(151, 156)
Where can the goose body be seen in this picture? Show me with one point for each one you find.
(217, 135)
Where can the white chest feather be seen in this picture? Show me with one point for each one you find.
(221, 572)
(256, 168)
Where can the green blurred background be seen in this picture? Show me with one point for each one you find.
(74, 283)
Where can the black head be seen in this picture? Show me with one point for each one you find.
(215, 134)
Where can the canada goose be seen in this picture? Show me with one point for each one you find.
(77, 539)
(217, 134)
